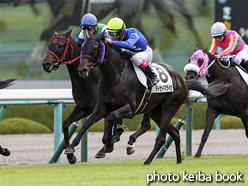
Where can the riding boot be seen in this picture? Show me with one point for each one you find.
(153, 77)
(244, 64)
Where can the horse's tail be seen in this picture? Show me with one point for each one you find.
(211, 90)
(6, 82)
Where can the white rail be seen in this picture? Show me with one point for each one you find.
(19, 94)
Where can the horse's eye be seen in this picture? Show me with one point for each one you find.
(95, 49)
(200, 62)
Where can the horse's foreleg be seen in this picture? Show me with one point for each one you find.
(210, 117)
(98, 113)
(107, 136)
(123, 112)
(174, 133)
(4, 151)
(118, 130)
(75, 115)
(145, 126)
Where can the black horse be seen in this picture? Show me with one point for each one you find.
(4, 84)
(64, 50)
(120, 94)
(235, 100)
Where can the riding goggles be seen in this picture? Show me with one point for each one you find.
(218, 37)
(114, 35)
(89, 28)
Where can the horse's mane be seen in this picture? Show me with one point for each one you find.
(116, 49)
(74, 39)
(119, 52)
(212, 57)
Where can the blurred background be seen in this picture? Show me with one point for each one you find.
(172, 27)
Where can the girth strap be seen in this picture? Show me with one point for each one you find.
(144, 101)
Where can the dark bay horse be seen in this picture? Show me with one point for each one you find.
(233, 102)
(120, 93)
(4, 84)
(64, 50)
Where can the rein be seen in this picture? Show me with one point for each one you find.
(63, 56)
(206, 70)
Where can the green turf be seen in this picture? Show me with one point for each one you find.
(118, 173)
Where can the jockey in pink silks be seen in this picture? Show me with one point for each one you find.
(231, 43)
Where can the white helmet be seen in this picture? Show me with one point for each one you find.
(218, 29)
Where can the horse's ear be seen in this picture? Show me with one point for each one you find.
(196, 48)
(205, 50)
(68, 34)
(101, 35)
(55, 33)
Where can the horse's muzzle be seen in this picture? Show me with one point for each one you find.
(47, 66)
(191, 75)
(83, 72)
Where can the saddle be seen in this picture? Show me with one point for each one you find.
(232, 64)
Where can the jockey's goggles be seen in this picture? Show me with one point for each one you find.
(218, 37)
(113, 35)
(89, 28)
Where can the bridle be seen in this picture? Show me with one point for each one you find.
(203, 69)
(68, 53)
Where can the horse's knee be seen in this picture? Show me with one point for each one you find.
(112, 116)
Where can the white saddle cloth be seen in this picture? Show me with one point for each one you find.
(164, 85)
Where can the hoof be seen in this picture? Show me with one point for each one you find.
(146, 163)
(197, 156)
(69, 150)
(72, 160)
(5, 152)
(100, 154)
(130, 149)
(108, 150)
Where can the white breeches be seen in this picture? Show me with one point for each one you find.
(146, 55)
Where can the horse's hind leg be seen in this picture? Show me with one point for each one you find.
(244, 118)
(174, 133)
(145, 126)
(210, 117)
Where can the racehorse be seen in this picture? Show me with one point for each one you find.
(233, 102)
(120, 94)
(64, 50)
(4, 84)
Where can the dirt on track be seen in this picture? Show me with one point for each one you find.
(39, 148)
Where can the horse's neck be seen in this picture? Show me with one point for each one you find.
(111, 68)
(216, 72)
(76, 49)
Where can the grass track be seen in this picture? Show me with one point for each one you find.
(118, 173)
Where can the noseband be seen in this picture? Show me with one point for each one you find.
(67, 52)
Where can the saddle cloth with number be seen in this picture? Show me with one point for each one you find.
(165, 83)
